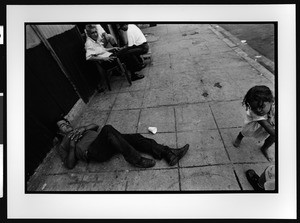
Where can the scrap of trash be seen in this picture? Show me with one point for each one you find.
(153, 130)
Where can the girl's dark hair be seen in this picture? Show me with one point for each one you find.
(257, 95)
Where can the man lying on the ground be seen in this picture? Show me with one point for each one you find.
(87, 144)
(95, 51)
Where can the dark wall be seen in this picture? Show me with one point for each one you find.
(49, 95)
(1, 119)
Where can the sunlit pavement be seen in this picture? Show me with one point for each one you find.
(192, 92)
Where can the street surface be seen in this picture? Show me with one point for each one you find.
(192, 92)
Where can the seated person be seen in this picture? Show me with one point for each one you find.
(87, 144)
(96, 52)
(105, 38)
(136, 41)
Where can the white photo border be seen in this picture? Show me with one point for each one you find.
(123, 206)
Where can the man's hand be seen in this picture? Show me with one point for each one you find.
(109, 59)
(76, 134)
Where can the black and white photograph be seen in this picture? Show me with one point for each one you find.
(172, 109)
(196, 98)
(1, 144)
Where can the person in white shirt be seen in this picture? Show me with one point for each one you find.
(97, 52)
(136, 41)
(105, 38)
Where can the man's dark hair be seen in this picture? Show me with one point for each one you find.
(58, 137)
(257, 95)
(121, 24)
(88, 27)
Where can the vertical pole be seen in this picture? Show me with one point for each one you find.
(56, 58)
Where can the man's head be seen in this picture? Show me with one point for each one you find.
(123, 26)
(92, 31)
(64, 126)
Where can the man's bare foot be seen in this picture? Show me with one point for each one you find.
(268, 154)
(237, 142)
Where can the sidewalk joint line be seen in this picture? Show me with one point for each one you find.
(220, 133)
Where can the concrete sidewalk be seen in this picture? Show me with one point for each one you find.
(192, 92)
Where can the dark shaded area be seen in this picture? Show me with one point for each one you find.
(49, 94)
(1, 119)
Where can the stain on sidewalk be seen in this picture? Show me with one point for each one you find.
(217, 85)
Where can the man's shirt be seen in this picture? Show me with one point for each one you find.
(135, 36)
(93, 47)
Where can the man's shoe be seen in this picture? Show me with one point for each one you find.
(135, 77)
(145, 163)
(252, 177)
(174, 155)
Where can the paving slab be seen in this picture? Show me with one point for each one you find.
(125, 121)
(129, 100)
(65, 182)
(199, 49)
(103, 101)
(206, 148)
(159, 97)
(188, 67)
(163, 118)
(186, 79)
(249, 149)
(160, 70)
(209, 178)
(242, 73)
(194, 117)
(190, 94)
(160, 58)
(138, 85)
(104, 181)
(244, 85)
(160, 81)
(223, 91)
(115, 163)
(153, 180)
(228, 114)
(211, 77)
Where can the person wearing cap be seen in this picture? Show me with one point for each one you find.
(95, 51)
(87, 143)
(136, 41)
